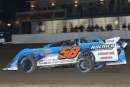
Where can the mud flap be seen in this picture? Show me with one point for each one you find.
(122, 59)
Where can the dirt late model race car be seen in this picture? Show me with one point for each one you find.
(86, 53)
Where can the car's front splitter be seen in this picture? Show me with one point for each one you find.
(14, 68)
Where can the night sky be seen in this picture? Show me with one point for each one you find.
(10, 7)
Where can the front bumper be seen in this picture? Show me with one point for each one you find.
(15, 68)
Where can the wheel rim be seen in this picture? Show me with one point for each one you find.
(26, 65)
(84, 65)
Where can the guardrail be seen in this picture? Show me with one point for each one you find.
(48, 38)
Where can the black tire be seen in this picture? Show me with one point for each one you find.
(99, 65)
(90, 56)
(28, 65)
(84, 65)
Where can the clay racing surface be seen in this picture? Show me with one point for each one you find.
(110, 76)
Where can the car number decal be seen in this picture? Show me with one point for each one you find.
(70, 52)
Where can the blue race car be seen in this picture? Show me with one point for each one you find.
(86, 53)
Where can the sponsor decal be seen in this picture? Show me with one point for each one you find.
(42, 51)
(40, 61)
(53, 62)
(108, 41)
(48, 51)
(35, 51)
(54, 59)
(49, 63)
(45, 62)
(63, 61)
(104, 46)
(70, 60)
(106, 53)
(107, 57)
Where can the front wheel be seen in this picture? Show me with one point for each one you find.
(84, 65)
(28, 65)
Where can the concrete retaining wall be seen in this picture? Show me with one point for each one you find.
(48, 38)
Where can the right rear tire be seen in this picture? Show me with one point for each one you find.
(99, 65)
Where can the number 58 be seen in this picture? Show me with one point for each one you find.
(70, 52)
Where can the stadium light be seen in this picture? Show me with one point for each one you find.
(102, 2)
(128, 1)
(8, 24)
(76, 3)
(52, 4)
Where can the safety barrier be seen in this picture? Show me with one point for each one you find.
(48, 38)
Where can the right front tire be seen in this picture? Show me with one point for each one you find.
(84, 65)
(28, 65)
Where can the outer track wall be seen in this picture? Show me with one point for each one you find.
(48, 38)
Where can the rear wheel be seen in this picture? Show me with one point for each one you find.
(28, 65)
(84, 65)
(99, 65)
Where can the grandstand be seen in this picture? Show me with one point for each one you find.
(50, 16)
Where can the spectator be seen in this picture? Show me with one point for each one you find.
(107, 27)
(101, 28)
(124, 26)
(129, 26)
(81, 28)
(72, 29)
(91, 28)
(96, 28)
(88, 28)
(64, 29)
(110, 27)
(76, 29)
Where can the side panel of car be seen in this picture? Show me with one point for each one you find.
(65, 56)
(121, 60)
(105, 52)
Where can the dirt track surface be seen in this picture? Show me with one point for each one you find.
(110, 76)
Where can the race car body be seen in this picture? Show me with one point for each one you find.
(86, 53)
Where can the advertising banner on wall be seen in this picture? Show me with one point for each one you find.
(41, 15)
